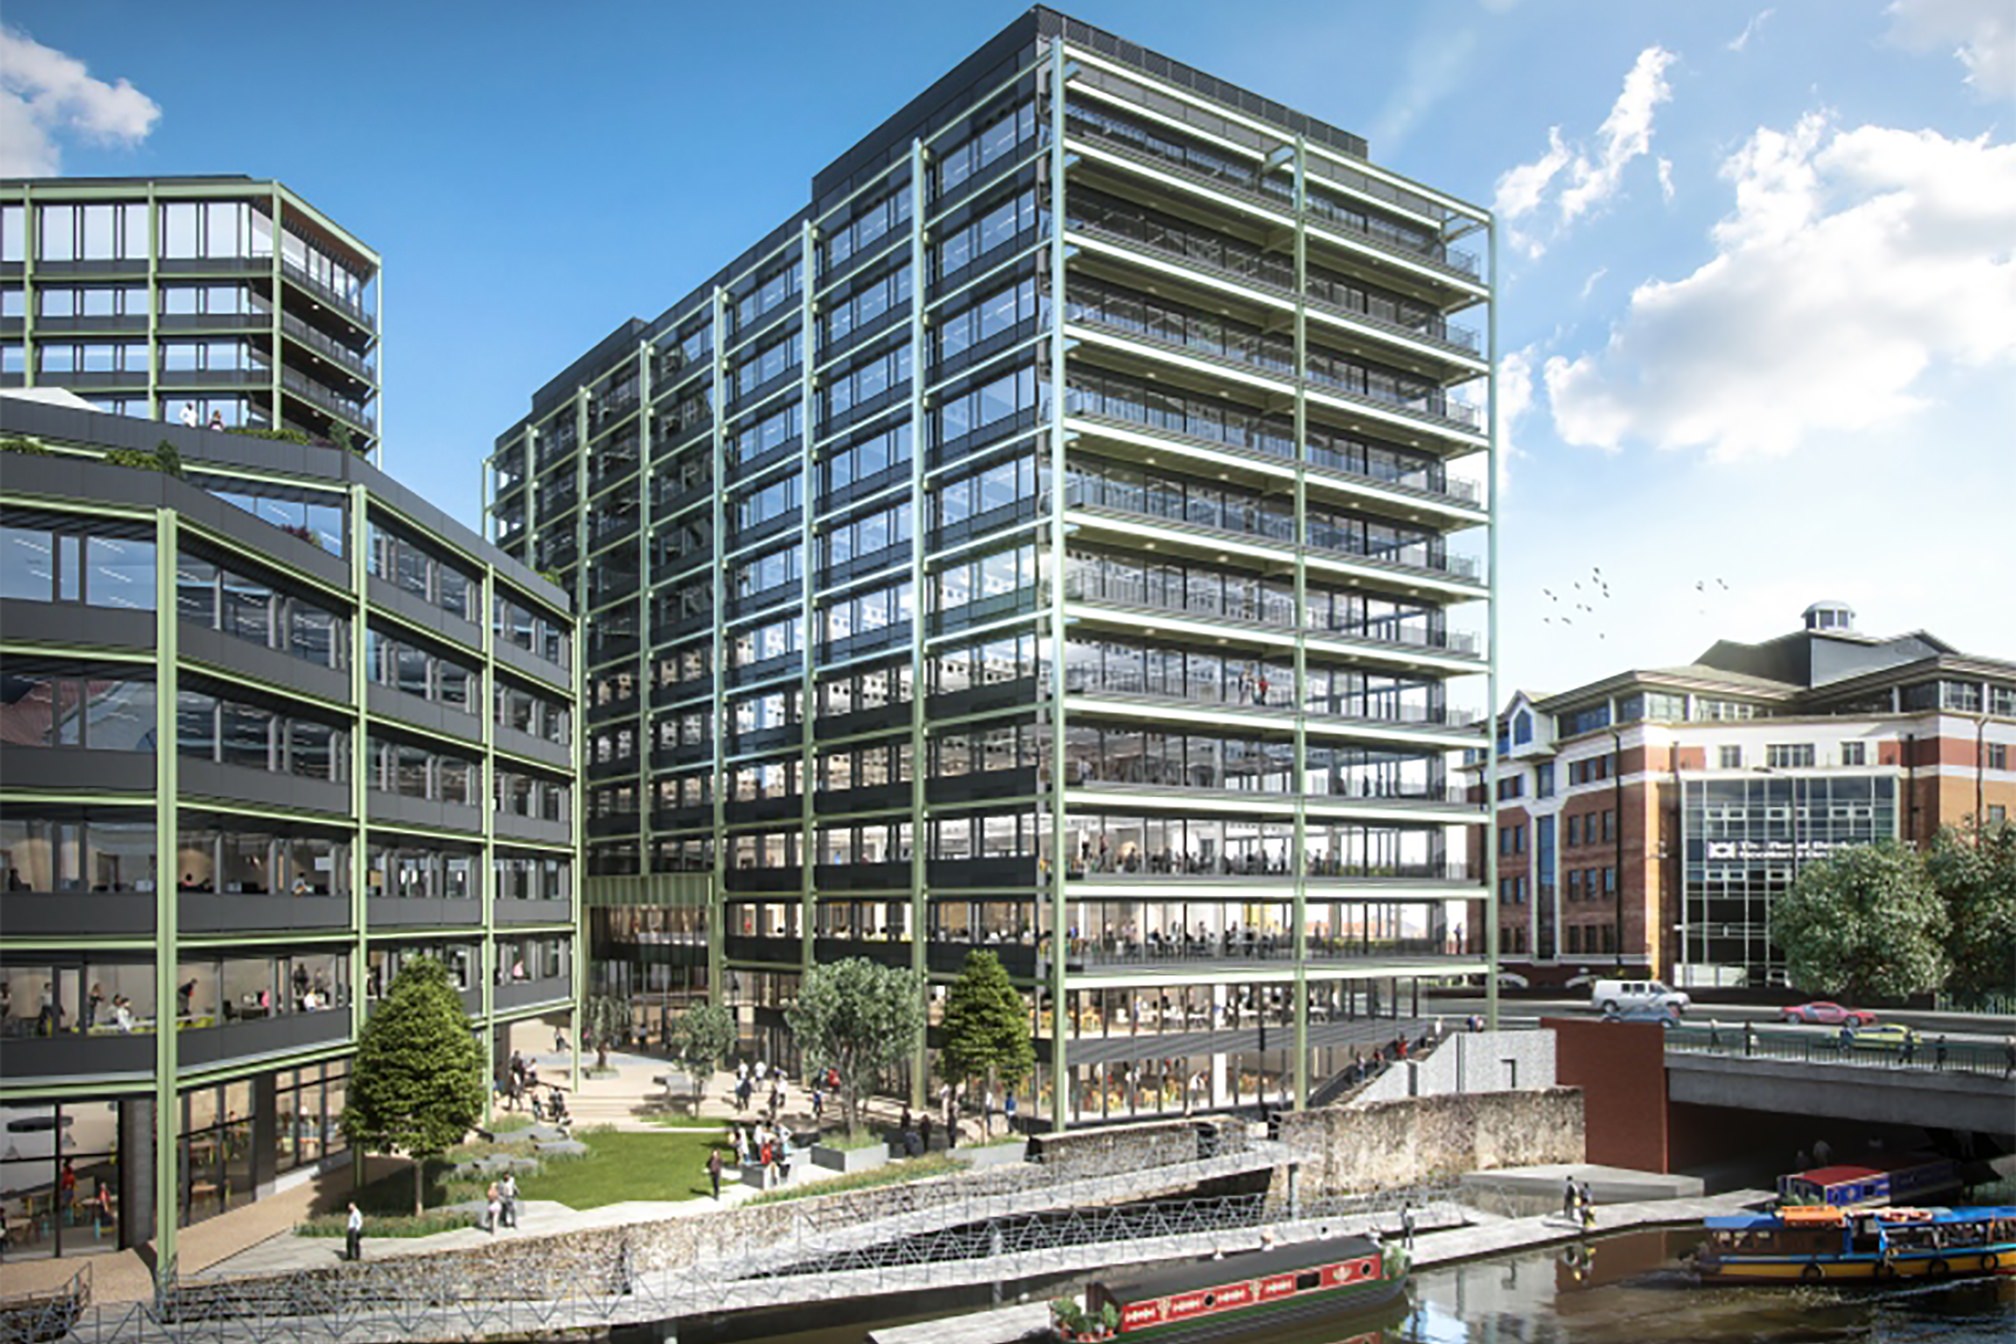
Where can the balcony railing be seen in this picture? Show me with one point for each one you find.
(333, 402)
(1108, 497)
(1081, 586)
(1164, 866)
(329, 294)
(1431, 406)
(1435, 330)
(322, 344)
(1262, 948)
(1447, 259)
(1229, 696)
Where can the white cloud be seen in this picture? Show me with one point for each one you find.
(1741, 41)
(45, 94)
(1981, 32)
(1852, 263)
(1589, 285)
(1437, 66)
(1515, 399)
(1583, 179)
(1666, 179)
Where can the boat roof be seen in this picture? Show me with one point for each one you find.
(1192, 1274)
(1972, 1213)
(1838, 1172)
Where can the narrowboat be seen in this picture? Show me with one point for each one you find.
(1252, 1290)
(1815, 1243)
(1859, 1185)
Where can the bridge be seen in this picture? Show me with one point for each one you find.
(1960, 1086)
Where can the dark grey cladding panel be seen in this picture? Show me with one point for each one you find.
(70, 770)
(556, 754)
(60, 914)
(532, 665)
(229, 912)
(262, 539)
(259, 663)
(511, 826)
(393, 912)
(419, 611)
(534, 912)
(76, 478)
(397, 810)
(199, 1046)
(515, 994)
(71, 625)
(262, 788)
(398, 705)
(73, 1056)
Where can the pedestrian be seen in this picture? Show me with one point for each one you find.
(1570, 1196)
(189, 414)
(987, 1114)
(2008, 1055)
(1008, 1102)
(1749, 1039)
(905, 1125)
(494, 1202)
(818, 1103)
(1938, 1049)
(784, 1153)
(1847, 1038)
(1714, 1034)
(217, 420)
(1909, 1049)
(559, 1042)
(951, 1124)
(1588, 1203)
(508, 1193)
(1407, 1226)
(714, 1165)
(353, 1234)
(924, 1131)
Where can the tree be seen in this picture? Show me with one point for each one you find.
(605, 1021)
(858, 1018)
(702, 1036)
(417, 1083)
(1975, 875)
(1866, 922)
(986, 1024)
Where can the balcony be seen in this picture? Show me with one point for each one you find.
(324, 399)
(342, 354)
(350, 306)
(1446, 261)
(1145, 240)
(1249, 952)
(1274, 611)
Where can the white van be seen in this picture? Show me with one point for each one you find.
(1614, 996)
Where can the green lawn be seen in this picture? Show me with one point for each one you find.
(622, 1165)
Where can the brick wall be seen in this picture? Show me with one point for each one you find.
(1621, 1069)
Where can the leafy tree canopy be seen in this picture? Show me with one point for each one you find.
(417, 1083)
(1866, 922)
(858, 1018)
(986, 1023)
(703, 1035)
(1975, 874)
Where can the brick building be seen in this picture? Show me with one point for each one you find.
(1649, 819)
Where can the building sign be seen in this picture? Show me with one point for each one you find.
(1766, 851)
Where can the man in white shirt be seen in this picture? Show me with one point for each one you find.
(353, 1235)
(189, 414)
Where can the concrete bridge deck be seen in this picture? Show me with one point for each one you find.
(1845, 1090)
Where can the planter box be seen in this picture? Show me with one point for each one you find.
(850, 1159)
(992, 1154)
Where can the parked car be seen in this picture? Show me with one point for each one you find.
(1610, 996)
(1827, 1014)
(1886, 1036)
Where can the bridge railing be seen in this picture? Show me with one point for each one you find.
(1926, 1055)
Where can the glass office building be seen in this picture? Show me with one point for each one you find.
(268, 728)
(227, 299)
(1062, 537)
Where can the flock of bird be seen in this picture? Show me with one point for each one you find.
(1586, 603)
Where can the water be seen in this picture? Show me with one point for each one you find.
(1626, 1289)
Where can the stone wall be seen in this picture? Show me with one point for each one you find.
(1419, 1140)
(1105, 1149)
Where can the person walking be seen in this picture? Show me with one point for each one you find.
(2008, 1056)
(951, 1124)
(1407, 1226)
(1938, 1051)
(818, 1103)
(1588, 1203)
(924, 1131)
(353, 1233)
(493, 1209)
(1008, 1101)
(1908, 1051)
(1749, 1039)
(507, 1192)
(714, 1165)
(1570, 1196)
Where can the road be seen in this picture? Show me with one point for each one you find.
(1520, 1010)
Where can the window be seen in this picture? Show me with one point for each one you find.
(1995, 756)
(58, 564)
(1543, 780)
(1789, 756)
(1574, 829)
(1854, 753)
(1730, 758)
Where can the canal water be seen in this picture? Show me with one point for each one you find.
(1628, 1289)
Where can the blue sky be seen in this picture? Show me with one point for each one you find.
(1758, 304)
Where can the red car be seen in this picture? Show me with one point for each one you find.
(1828, 1014)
